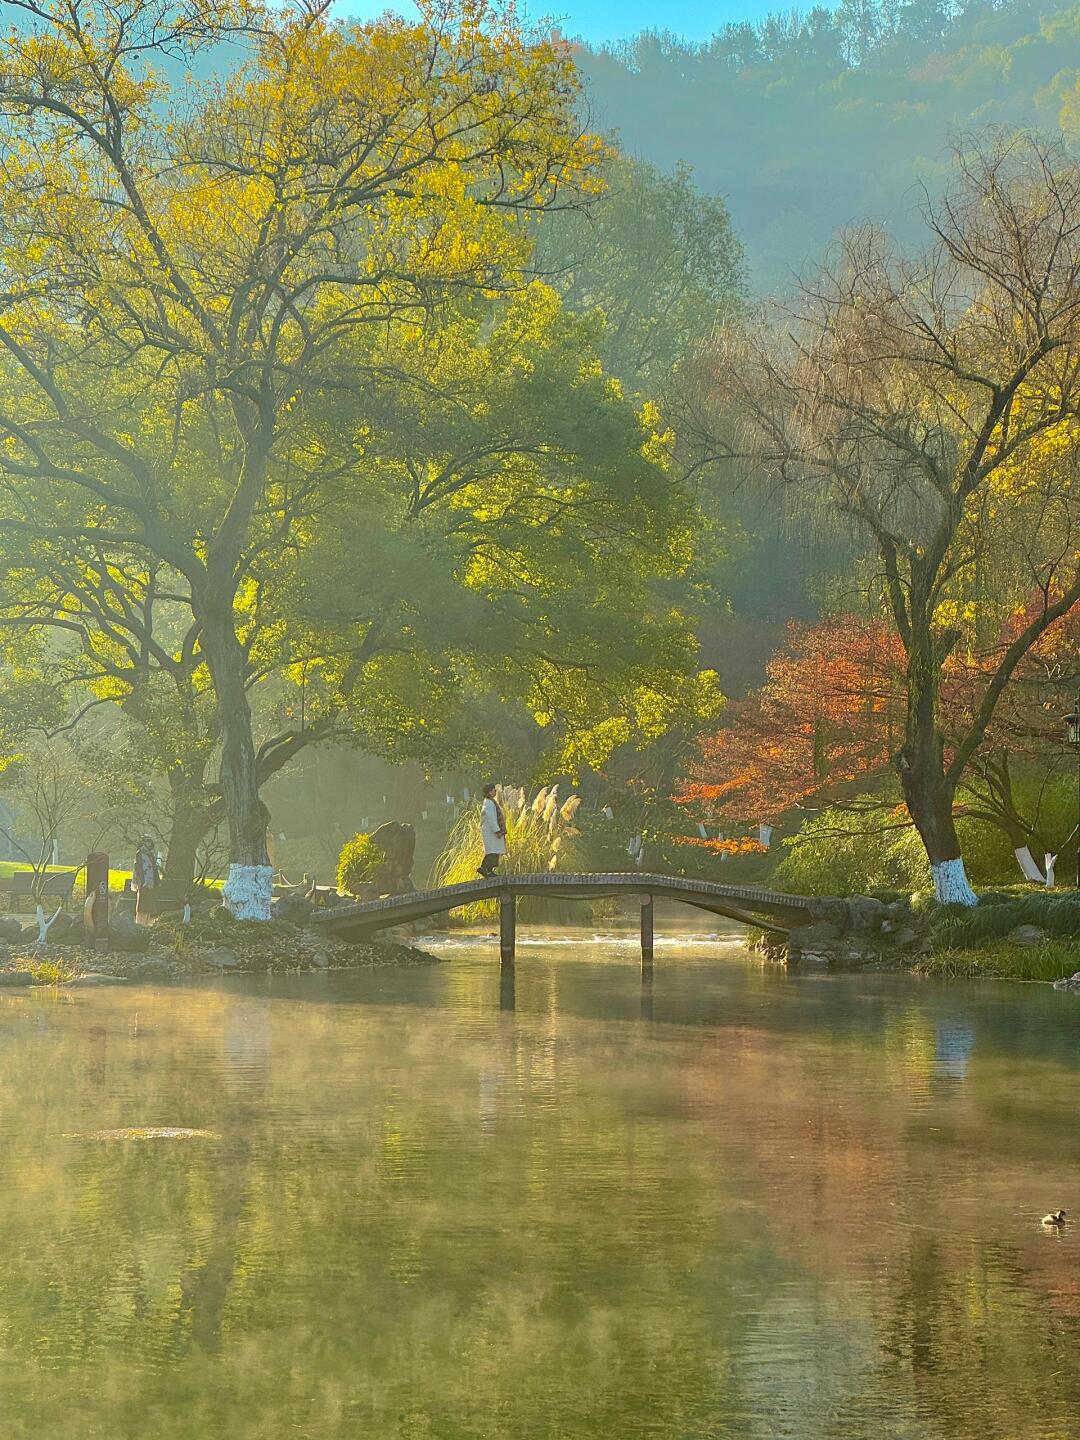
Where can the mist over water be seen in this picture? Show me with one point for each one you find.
(723, 1201)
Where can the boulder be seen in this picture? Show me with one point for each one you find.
(63, 925)
(16, 977)
(819, 935)
(133, 939)
(397, 841)
(1027, 935)
(221, 958)
(95, 977)
(830, 910)
(1071, 984)
(865, 913)
(10, 928)
(153, 965)
(810, 960)
(294, 908)
(905, 937)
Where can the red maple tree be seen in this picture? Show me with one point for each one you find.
(828, 722)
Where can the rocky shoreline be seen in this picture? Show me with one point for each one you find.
(213, 944)
(1004, 937)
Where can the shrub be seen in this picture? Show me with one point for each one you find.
(358, 863)
(840, 852)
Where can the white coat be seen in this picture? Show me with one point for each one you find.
(494, 843)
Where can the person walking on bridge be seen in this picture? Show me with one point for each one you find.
(492, 832)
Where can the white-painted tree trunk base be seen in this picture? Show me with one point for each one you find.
(43, 924)
(248, 891)
(1026, 861)
(951, 883)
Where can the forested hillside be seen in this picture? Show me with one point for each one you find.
(807, 122)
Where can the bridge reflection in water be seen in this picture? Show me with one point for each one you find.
(764, 909)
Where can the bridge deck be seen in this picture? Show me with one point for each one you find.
(751, 906)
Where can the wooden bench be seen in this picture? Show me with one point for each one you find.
(55, 885)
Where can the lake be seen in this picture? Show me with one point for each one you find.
(565, 1202)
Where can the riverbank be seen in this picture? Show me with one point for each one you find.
(1007, 936)
(212, 945)
(1049, 960)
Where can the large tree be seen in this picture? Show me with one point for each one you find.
(657, 259)
(461, 596)
(184, 276)
(932, 405)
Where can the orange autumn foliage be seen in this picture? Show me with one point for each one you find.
(830, 716)
(743, 845)
(830, 712)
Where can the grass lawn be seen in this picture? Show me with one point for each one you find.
(8, 868)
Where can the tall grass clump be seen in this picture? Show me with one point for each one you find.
(967, 927)
(541, 837)
(1051, 960)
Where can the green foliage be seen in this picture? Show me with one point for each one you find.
(843, 852)
(54, 969)
(655, 259)
(1050, 801)
(502, 543)
(358, 863)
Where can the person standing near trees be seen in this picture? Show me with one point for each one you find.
(492, 832)
(144, 876)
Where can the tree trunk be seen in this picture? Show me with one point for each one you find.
(190, 822)
(247, 889)
(929, 794)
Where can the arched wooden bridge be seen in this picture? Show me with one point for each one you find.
(765, 909)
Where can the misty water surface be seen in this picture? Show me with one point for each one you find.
(735, 1204)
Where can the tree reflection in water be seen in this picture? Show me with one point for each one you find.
(701, 1201)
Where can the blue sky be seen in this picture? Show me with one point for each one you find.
(602, 20)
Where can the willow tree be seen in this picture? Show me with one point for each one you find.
(932, 405)
(183, 269)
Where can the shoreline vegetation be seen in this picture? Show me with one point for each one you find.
(213, 944)
(1044, 963)
(1033, 938)
(1007, 935)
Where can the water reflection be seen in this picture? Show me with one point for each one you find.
(692, 1199)
(647, 989)
(506, 984)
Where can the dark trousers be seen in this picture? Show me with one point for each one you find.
(490, 864)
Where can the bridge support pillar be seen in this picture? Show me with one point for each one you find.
(507, 926)
(646, 929)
